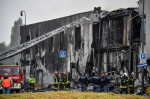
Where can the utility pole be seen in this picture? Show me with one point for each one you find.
(142, 46)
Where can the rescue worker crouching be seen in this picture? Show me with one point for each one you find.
(131, 84)
(32, 82)
(6, 82)
(124, 83)
(83, 80)
(56, 81)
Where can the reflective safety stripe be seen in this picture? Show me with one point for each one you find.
(32, 80)
(6, 82)
(123, 86)
(67, 81)
(130, 85)
(55, 82)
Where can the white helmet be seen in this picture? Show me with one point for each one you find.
(125, 74)
(132, 73)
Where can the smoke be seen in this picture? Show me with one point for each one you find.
(15, 40)
(111, 5)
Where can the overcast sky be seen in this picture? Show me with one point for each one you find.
(42, 10)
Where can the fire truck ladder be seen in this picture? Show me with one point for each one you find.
(18, 49)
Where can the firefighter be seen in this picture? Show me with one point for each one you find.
(68, 81)
(96, 80)
(124, 83)
(32, 82)
(6, 82)
(64, 80)
(56, 81)
(131, 83)
(61, 86)
(83, 80)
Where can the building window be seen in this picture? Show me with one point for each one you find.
(27, 38)
(77, 38)
(61, 40)
(51, 45)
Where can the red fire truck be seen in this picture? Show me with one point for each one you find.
(15, 72)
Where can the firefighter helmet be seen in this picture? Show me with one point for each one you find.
(132, 73)
(56, 73)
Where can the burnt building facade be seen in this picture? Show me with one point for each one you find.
(108, 43)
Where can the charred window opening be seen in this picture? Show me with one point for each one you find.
(96, 35)
(61, 40)
(116, 31)
(51, 45)
(37, 35)
(136, 29)
(27, 38)
(39, 76)
(28, 51)
(43, 46)
(77, 38)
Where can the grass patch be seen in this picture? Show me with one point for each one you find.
(68, 95)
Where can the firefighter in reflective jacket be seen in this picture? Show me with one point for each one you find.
(124, 83)
(56, 81)
(64, 80)
(61, 86)
(31, 81)
(68, 81)
(6, 82)
(131, 84)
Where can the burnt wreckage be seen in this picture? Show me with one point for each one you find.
(110, 42)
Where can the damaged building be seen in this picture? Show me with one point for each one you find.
(108, 43)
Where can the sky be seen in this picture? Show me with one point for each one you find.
(42, 10)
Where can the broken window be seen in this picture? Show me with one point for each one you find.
(51, 45)
(27, 38)
(96, 35)
(136, 29)
(116, 31)
(77, 38)
(61, 40)
(39, 76)
(28, 51)
(37, 35)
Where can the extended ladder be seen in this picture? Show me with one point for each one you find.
(18, 49)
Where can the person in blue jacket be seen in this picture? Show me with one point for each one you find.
(83, 80)
(106, 82)
(96, 80)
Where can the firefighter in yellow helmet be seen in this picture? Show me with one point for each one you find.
(56, 81)
(32, 82)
